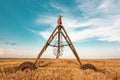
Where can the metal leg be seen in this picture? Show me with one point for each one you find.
(46, 45)
(71, 45)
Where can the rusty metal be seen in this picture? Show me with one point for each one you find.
(59, 31)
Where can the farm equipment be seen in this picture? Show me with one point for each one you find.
(59, 31)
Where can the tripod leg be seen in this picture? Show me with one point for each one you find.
(71, 45)
(46, 45)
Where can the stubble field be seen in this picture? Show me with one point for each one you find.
(60, 69)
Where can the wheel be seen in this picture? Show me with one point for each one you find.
(27, 67)
(88, 66)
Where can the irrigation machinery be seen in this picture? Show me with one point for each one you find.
(60, 33)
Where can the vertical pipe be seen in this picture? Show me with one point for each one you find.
(58, 51)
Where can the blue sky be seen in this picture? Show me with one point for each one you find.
(93, 26)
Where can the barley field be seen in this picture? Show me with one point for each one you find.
(60, 69)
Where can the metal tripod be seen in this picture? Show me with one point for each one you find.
(59, 31)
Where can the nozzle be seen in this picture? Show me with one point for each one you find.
(59, 20)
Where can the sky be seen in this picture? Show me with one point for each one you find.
(92, 25)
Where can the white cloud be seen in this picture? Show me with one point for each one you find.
(101, 7)
(104, 28)
(105, 4)
(110, 6)
(45, 34)
(88, 7)
(58, 6)
(46, 20)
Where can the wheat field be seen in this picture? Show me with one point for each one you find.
(60, 69)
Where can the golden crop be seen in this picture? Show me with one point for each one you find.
(60, 69)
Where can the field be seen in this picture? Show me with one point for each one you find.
(60, 69)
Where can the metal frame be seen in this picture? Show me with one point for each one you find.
(59, 31)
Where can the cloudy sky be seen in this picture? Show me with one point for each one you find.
(93, 26)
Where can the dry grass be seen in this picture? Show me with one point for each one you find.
(61, 69)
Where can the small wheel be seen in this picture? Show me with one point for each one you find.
(27, 67)
(88, 66)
